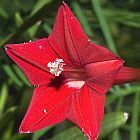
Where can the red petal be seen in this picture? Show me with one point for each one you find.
(95, 53)
(101, 75)
(68, 34)
(126, 75)
(87, 109)
(33, 58)
(48, 106)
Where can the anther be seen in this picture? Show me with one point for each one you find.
(56, 67)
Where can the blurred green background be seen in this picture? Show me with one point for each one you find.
(112, 23)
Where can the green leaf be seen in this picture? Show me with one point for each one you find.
(12, 75)
(47, 28)
(18, 19)
(3, 97)
(40, 133)
(20, 137)
(7, 116)
(135, 118)
(3, 13)
(31, 20)
(39, 4)
(82, 18)
(123, 92)
(111, 122)
(104, 25)
(116, 134)
(74, 134)
(21, 75)
(125, 17)
(8, 133)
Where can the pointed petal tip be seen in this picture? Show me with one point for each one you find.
(6, 46)
(23, 130)
(64, 4)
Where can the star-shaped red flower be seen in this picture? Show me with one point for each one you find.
(71, 75)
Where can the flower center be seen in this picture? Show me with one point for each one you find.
(72, 75)
(56, 67)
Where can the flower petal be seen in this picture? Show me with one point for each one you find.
(101, 75)
(68, 34)
(86, 111)
(127, 74)
(32, 58)
(95, 53)
(48, 106)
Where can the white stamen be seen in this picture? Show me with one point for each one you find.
(88, 39)
(30, 40)
(28, 132)
(71, 17)
(56, 67)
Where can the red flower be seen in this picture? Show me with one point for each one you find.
(71, 75)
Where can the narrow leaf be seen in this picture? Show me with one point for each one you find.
(135, 116)
(12, 75)
(3, 97)
(112, 122)
(104, 25)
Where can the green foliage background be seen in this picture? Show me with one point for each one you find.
(114, 24)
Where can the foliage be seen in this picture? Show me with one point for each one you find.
(114, 24)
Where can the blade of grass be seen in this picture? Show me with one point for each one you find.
(135, 115)
(83, 20)
(116, 134)
(31, 20)
(128, 127)
(122, 92)
(104, 25)
(21, 75)
(38, 134)
(8, 133)
(47, 28)
(111, 122)
(39, 4)
(18, 19)
(20, 137)
(12, 75)
(74, 132)
(3, 97)
(125, 17)
(3, 13)
(7, 116)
